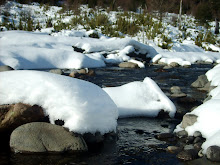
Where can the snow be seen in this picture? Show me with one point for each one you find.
(113, 44)
(212, 141)
(214, 76)
(83, 106)
(186, 58)
(32, 50)
(38, 50)
(140, 99)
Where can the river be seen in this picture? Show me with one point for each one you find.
(136, 142)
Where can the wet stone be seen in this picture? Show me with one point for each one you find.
(182, 134)
(174, 149)
(213, 153)
(56, 71)
(164, 136)
(197, 140)
(188, 147)
(187, 155)
(189, 139)
(197, 134)
(198, 146)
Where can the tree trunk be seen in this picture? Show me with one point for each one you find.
(180, 14)
(216, 26)
(113, 4)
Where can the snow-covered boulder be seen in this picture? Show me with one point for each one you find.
(83, 106)
(140, 99)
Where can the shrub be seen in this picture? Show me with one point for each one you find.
(199, 39)
(167, 43)
(210, 38)
(94, 35)
(126, 26)
(49, 23)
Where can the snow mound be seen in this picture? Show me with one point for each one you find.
(115, 44)
(28, 50)
(83, 106)
(186, 58)
(140, 99)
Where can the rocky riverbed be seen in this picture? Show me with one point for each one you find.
(138, 141)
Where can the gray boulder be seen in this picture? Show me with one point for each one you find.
(188, 120)
(18, 114)
(74, 74)
(39, 137)
(176, 92)
(213, 153)
(200, 82)
(174, 149)
(5, 68)
(56, 71)
(128, 65)
(81, 73)
(187, 155)
(182, 134)
(174, 64)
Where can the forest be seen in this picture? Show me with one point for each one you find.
(203, 10)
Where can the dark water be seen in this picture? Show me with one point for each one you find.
(136, 142)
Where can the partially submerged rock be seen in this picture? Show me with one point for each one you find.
(200, 82)
(56, 71)
(187, 155)
(213, 153)
(128, 65)
(81, 73)
(40, 137)
(176, 92)
(174, 64)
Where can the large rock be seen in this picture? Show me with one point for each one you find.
(39, 137)
(174, 64)
(128, 65)
(5, 68)
(188, 120)
(187, 155)
(12, 116)
(176, 92)
(213, 153)
(81, 73)
(200, 82)
(56, 71)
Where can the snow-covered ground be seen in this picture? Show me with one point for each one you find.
(35, 50)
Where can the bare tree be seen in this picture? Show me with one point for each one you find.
(215, 6)
(180, 14)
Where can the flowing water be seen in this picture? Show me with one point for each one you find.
(136, 142)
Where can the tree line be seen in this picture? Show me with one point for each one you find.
(202, 9)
